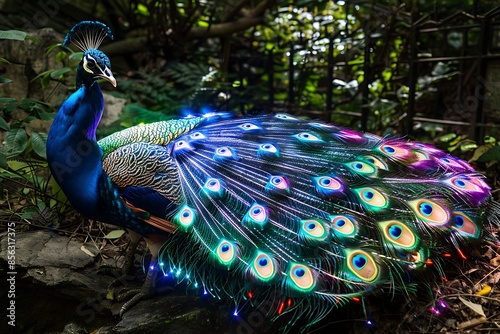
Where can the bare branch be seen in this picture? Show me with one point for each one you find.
(236, 9)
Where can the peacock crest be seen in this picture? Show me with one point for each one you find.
(88, 35)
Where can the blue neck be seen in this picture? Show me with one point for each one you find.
(72, 151)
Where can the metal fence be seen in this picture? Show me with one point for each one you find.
(467, 101)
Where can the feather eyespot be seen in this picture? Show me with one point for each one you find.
(415, 257)
(213, 184)
(362, 265)
(287, 117)
(185, 217)
(226, 252)
(277, 183)
(256, 216)
(394, 151)
(371, 198)
(376, 162)
(268, 150)
(249, 127)
(263, 267)
(197, 136)
(214, 188)
(314, 228)
(277, 180)
(308, 138)
(430, 211)
(464, 225)
(225, 153)
(300, 277)
(399, 234)
(313, 231)
(463, 184)
(343, 226)
(453, 163)
(182, 145)
(362, 167)
(328, 183)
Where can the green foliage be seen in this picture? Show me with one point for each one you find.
(169, 88)
(23, 165)
(486, 155)
(21, 138)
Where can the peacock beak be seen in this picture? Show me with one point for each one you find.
(108, 76)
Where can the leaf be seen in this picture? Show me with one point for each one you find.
(492, 154)
(41, 75)
(3, 60)
(115, 234)
(52, 203)
(3, 124)
(60, 56)
(46, 116)
(480, 151)
(77, 55)
(473, 306)
(468, 145)
(447, 138)
(489, 140)
(50, 48)
(45, 80)
(56, 191)
(59, 72)
(17, 165)
(484, 291)
(4, 79)
(7, 99)
(32, 38)
(203, 24)
(16, 35)
(3, 159)
(16, 141)
(142, 9)
(38, 142)
(86, 251)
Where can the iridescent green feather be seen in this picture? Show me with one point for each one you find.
(159, 133)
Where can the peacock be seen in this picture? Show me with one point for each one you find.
(292, 215)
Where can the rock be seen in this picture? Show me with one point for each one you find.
(73, 328)
(42, 248)
(49, 260)
(113, 109)
(60, 289)
(183, 314)
(27, 60)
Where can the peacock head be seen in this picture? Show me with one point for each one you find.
(95, 65)
(87, 36)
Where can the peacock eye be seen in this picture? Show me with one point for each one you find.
(91, 64)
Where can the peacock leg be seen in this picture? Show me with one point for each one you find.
(127, 272)
(150, 287)
(147, 290)
(128, 265)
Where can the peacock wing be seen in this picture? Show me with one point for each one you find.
(138, 164)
